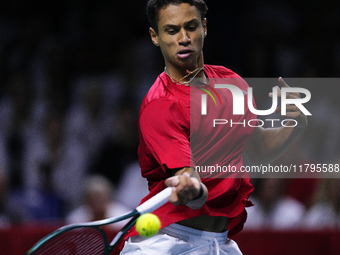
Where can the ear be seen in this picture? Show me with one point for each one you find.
(205, 28)
(154, 36)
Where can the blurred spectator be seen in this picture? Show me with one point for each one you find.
(89, 121)
(303, 189)
(280, 203)
(99, 202)
(325, 213)
(304, 185)
(273, 210)
(120, 150)
(132, 187)
(17, 124)
(4, 217)
(55, 164)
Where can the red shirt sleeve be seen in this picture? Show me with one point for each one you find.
(165, 129)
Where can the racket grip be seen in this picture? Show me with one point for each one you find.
(156, 201)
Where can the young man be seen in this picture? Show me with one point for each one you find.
(202, 213)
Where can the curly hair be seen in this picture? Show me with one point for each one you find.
(154, 6)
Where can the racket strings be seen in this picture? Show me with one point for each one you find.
(84, 241)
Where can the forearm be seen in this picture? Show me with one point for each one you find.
(269, 144)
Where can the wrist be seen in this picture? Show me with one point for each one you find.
(200, 200)
(201, 192)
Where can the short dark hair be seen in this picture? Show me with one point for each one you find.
(154, 6)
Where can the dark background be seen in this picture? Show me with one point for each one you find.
(49, 49)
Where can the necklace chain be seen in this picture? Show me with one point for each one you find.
(185, 83)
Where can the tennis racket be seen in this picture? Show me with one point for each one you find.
(89, 238)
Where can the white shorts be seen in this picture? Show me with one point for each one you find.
(179, 240)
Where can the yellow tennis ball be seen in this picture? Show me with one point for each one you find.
(148, 225)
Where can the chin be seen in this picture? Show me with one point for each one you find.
(188, 63)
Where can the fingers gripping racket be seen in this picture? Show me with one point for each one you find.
(89, 238)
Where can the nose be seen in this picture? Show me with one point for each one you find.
(184, 38)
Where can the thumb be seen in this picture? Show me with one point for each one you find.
(278, 91)
(283, 83)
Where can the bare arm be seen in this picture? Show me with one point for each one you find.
(266, 145)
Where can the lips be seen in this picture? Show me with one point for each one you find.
(184, 53)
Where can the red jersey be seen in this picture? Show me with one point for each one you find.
(171, 138)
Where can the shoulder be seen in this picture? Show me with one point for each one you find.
(163, 110)
(160, 98)
(158, 105)
(220, 72)
(161, 115)
(216, 71)
(159, 89)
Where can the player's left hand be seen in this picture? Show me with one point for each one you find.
(293, 112)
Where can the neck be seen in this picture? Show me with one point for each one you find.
(188, 79)
(181, 73)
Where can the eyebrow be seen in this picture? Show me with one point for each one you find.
(185, 24)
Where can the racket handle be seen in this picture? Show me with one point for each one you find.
(156, 201)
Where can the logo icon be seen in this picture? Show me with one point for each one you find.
(211, 95)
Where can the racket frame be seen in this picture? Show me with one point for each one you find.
(148, 206)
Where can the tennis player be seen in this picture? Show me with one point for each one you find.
(203, 213)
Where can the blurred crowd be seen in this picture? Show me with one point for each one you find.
(73, 75)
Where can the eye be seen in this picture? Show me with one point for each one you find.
(171, 31)
(192, 28)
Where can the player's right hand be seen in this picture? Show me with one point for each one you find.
(184, 188)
